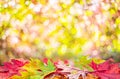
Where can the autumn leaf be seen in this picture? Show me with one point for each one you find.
(70, 71)
(83, 63)
(11, 68)
(106, 70)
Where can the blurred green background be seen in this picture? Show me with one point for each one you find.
(63, 29)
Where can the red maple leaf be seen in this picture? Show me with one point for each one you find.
(106, 70)
(11, 68)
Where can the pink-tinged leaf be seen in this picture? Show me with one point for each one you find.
(70, 71)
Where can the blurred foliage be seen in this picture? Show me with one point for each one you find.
(59, 28)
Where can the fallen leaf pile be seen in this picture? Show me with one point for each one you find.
(81, 68)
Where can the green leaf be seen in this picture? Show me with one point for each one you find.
(48, 68)
(83, 63)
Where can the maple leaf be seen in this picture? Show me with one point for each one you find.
(106, 70)
(48, 68)
(83, 63)
(70, 71)
(11, 68)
